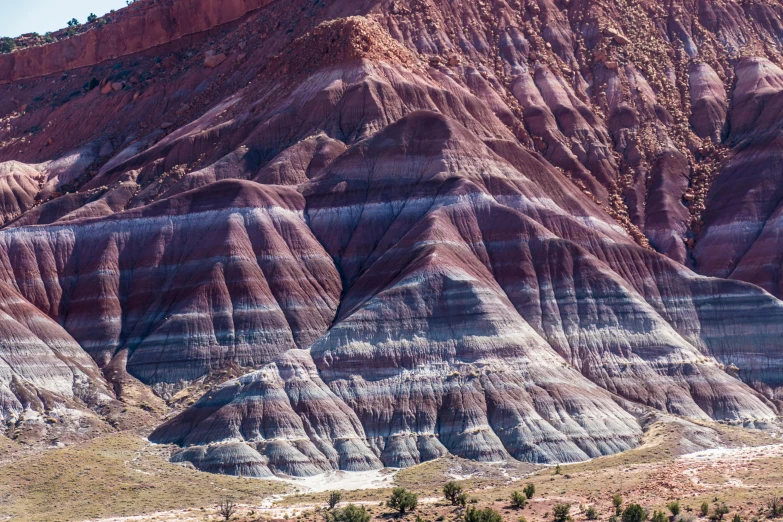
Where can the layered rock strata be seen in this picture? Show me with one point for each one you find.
(494, 230)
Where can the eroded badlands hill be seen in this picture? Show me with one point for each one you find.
(411, 228)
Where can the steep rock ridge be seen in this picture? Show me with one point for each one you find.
(742, 222)
(421, 228)
(184, 285)
(45, 376)
(144, 25)
(291, 423)
(19, 184)
(388, 205)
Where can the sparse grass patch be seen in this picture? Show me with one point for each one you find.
(115, 475)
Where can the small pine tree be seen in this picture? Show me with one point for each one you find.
(634, 513)
(73, 22)
(530, 490)
(705, 509)
(452, 491)
(518, 500)
(403, 500)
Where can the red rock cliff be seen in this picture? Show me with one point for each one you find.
(139, 28)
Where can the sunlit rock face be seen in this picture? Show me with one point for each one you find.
(496, 231)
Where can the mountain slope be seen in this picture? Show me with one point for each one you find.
(419, 228)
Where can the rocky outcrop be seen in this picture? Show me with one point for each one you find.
(255, 281)
(416, 229)
(144, 25)
(48, 385)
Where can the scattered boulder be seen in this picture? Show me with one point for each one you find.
(212, 60)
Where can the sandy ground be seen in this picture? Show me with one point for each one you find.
(343, 480)
(331, 481)
(688, 476)
(728, 455)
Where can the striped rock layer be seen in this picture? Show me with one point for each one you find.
(493, 230)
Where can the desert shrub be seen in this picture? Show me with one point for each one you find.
(617, 502)
(736, 518)
(530, 490)
(775, 507)
(350, 513)
(705, 509)
(719, 512)
(674, 508)
(482, 515)
(518, 500)
(591, 513)
(402, 500)
(560, 513)
(334, 499)
(7, 45)
(659, 516)
(558, 470)
(634, 513)
(93, 17)
(73, 22)
(227, 508)
(452, 492)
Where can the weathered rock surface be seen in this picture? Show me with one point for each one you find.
(420, 228)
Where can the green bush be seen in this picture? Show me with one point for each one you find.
(482, 515)
(350, 513)
(93, 17)
(617, 502)
(591, 513)
(73, 22)
(560, 513)
(634, 513)
(775, 506)
(674, 507)
(558, 470)
(403, 500)
(530, 490)
(334, 499)
(7, 45)
(659, 516)
(518, 500)
(705, 509)
(736, 518)
(452, 492)
(720, 512)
